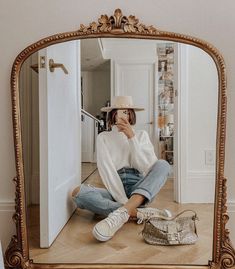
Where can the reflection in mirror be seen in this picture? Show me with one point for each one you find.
(118, 125)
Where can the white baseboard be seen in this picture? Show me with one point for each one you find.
(231, 206)
(199, 187)
(7, 226)
(205, 175)
(7, 206)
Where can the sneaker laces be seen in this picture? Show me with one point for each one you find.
(146, 215)
(116, 217)
(142, 216)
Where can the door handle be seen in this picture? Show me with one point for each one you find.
(34, 67)
(151, 122)
(53, 65)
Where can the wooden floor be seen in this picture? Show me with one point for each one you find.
(75, 243)
(87, 170)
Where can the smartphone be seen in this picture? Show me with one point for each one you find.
(122, 113)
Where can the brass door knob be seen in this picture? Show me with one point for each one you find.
(53, 65)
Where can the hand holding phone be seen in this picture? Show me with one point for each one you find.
(122, 113)
(123, 123)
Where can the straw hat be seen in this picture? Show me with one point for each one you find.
(121, 102)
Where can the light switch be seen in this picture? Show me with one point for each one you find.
(210, 157)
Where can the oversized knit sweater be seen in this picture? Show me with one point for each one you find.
(115, 151)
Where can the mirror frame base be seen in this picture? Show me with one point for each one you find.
(118, 25)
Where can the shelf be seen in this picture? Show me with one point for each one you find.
(165, 101)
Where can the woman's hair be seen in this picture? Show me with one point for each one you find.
(111, 120)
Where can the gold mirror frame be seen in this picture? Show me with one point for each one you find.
(118, 25)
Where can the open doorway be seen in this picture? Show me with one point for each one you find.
(95, 93)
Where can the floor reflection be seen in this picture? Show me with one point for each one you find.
(75, 243)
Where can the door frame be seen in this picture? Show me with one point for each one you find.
(181, 120)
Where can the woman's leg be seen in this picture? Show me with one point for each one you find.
(150, 185)
(97, 200)
(146, 188)
(130, 177)
(133, 203)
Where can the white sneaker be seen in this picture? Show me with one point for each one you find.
(105, 229)
(149, 212)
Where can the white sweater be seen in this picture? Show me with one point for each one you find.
(115, 151)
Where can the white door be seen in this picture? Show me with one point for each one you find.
(59, 123)
(137, 79)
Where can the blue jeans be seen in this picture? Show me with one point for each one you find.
(100, 201)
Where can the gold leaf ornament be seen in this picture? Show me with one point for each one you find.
(117, 23)
(151, 29)
(131, 24)
(141, 28)
(83, 28)
(93, 26)
(118, 19)
(105, 24)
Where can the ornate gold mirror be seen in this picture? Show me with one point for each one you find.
(75, 168)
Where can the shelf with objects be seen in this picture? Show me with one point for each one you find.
(165, 102)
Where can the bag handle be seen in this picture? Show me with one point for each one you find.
(179, 214)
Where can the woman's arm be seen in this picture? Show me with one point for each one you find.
(142, 152)
(108, 173)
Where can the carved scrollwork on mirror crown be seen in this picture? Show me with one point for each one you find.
(119, 24)
(17, 253)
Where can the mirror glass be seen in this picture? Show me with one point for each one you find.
(95, 175)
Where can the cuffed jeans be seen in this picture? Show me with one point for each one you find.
(100, 201)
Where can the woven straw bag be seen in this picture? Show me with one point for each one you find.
(171, 231)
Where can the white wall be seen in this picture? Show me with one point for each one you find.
(87, 84)
(199, 75)
(24, 22)
(101, 89)
(202, 107)
(96, 88)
